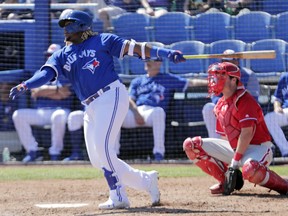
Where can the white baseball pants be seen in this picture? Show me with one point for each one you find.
(210, 120)
(103, 119)
(274, 122)
(154, 117)
(25, 118)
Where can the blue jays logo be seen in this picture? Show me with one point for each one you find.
(91, 65)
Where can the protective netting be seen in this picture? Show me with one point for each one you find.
(27, 30)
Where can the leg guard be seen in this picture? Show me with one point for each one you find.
(111, 180)
(257, 173)
(211, 166)
(117, 196)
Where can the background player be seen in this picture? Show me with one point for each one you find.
(277, 119)
(250, 82)
(88, 63)
(150, 95)
(240, 120)
(75, 128)
(50, 105)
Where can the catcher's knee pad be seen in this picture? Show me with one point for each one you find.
(254, 172)
(193, 147)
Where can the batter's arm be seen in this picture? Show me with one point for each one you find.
(146, 51)
(37, 80)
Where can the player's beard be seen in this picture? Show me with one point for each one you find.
(67, 39)
(74, 38)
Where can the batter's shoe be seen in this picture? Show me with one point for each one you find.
(117, 200)
(110, 204)
(217, 188)
(153, 188)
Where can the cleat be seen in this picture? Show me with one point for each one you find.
(153, 189)
(158, 157)
(73, 157)
(32, 156)
(117, 200)
(28, 159)
(110, 204)
(217, 189)
(54, 157)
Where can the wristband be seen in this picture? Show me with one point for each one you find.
(157, 52)
(22, 87)
(237, 156)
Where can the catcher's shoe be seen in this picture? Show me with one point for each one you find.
(217, 188)
(153, 189)
(117, 200)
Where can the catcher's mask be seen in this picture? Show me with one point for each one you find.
(79, 21)
(217, 74)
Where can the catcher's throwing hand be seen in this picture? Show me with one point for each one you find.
(17, 90)
(233, 180)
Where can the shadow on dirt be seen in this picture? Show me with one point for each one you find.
(156, 211)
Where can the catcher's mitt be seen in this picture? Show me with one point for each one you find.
(233, 180)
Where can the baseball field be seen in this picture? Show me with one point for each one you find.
(78, 189)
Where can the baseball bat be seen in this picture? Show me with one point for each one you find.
(259, 54)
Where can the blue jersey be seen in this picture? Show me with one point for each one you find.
(281, 92)
(88, 65)
(157, 90)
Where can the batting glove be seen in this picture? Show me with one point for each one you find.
(176, 56)
(17, 91)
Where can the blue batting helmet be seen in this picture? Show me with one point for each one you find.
(82, 21)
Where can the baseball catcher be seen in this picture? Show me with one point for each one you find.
(245, 141)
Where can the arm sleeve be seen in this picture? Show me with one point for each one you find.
(40, 78)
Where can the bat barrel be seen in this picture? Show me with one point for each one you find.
(259, 54)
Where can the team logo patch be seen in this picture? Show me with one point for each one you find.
(91, 65)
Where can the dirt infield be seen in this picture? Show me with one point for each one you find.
(179, 196)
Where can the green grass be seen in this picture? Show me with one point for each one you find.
(16, 173)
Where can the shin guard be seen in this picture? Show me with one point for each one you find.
(213, 167)
(257, 173)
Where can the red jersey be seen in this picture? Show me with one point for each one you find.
(239, 111)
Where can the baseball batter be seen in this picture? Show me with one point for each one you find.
(247, 142)
(88, 63)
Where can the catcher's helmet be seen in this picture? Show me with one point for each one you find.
(82, 21)
(217, 74)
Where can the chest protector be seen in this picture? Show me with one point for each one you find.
(226, 113)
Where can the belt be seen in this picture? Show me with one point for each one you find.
(96, 95)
